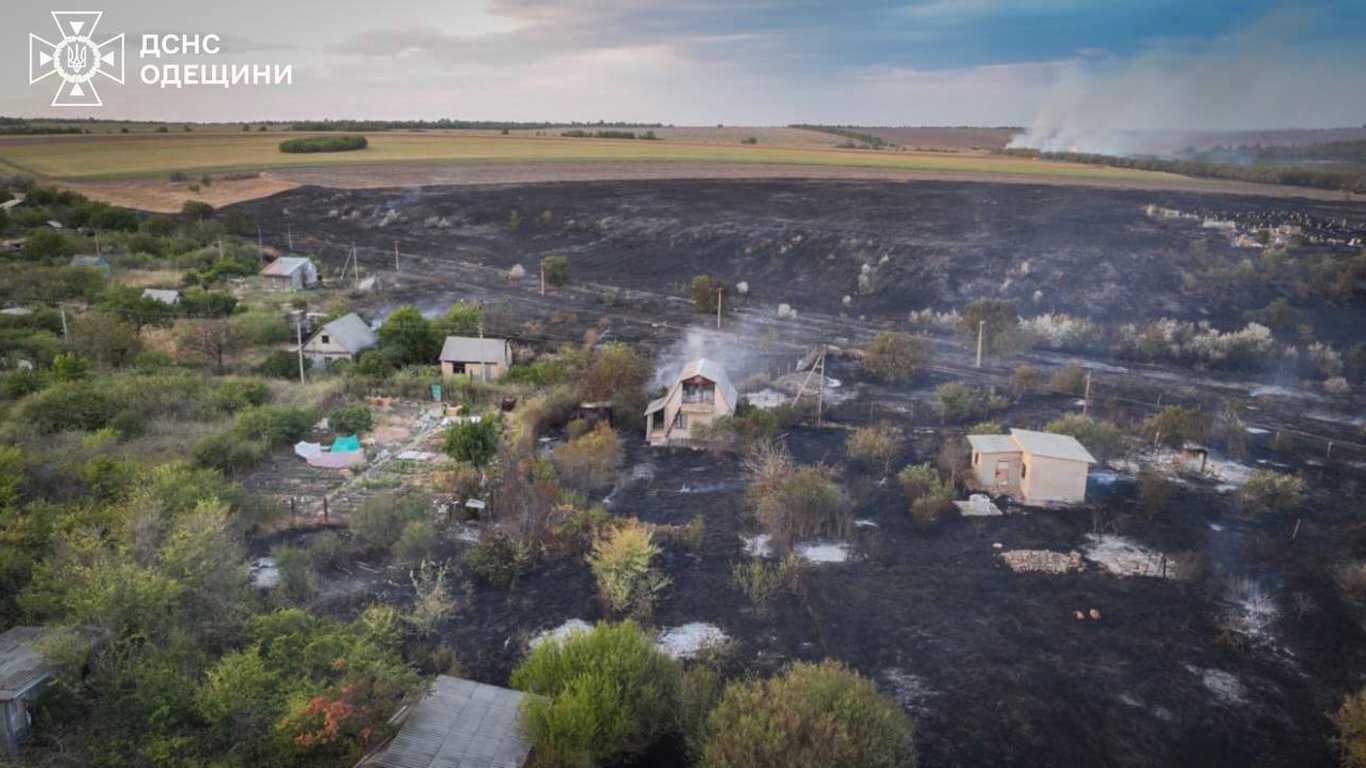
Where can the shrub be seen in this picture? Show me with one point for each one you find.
(930, 495)
(555, 269)
(227, 452)
(1153, 492)
(590, 460)
(194, 210)
(343, 143)
(325, 549)
(1001, 332)
(280, 364)
(875, 445)
(986, 428)
(234, 394)
(953, 401)
(351, 419)
(1023, 379)
(1177, 424)
(1350, 722)
(1271, 491)
(621, 563)
(46, 244)
(416, 541)
(380, 520)
(78, 405)
(409, 338)
(499, 558)
(600, 693)
(432, 602)
(794, 502)
(273, 424)
(894, 356)
(1100, 437)
(1070, 380)
(761, 581)
(473, 441)
(811, 715)
(704, 290)
(298, 580)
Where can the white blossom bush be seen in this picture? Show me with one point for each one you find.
(1325, 359)
(941, 321)
(1057, 330)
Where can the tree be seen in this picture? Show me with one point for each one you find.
(621, 563)
(461, 319)
(894, 356)
(704, 293)
(137, 310)
(1271, 491)
(1350, 722)
(68, 366)
(1023, 379)
(555, 269)
(599, 693)
(351, 419)
(473, 441)
(811, 715)
(1177, 424)
(105, 338)
(999, 321)
(409, 338)
(590, 460)
(213, 341)
(616, 373)
(380, 520)
(1100, 437)
(194, 210)
(48, 245)
(953, 401)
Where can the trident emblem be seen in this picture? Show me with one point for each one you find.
(76, 58)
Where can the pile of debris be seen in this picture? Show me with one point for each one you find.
(1043, 561)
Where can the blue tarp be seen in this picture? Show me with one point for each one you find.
(348, 444)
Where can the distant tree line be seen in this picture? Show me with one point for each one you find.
(581, 134)
(14, 126)
(373, 126)
(874, 142)
(345, 143)
(1291, 175)
(1321, 151)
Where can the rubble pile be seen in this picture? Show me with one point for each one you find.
(1042, 561)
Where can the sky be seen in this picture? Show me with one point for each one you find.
(1053, 65)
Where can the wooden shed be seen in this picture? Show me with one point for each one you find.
(22, 674)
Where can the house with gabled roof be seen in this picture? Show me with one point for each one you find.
(342, 339)
(701, 394)
(1038, 468)
(477, 357)
(289, 273)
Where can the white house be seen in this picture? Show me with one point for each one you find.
(289, 273)
(342, 339)
(701, 394)
(1035, 467)
(479, 358)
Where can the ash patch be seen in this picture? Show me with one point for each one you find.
(691, 639)
(820, 552)
(559, 633)
(909, 690)
(1224, 686)
(1121, 556)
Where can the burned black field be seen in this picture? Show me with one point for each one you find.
(1236, 662)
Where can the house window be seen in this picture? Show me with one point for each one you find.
(1024, 470)
(326, 339)
(698, 393)
(457, 369)
(681, 421)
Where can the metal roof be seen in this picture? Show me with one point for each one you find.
(350, 332)
(21, 666)
(163, 295)
(712, 371)
(460, 724)
(468, 349)
(284, 266)
(993, 444)
(1052, 446)
(86, 261)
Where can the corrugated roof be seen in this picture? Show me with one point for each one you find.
(460, 724)
(163, 295)
(86, 261)
(711, 370)
(284, 266)
(1052, 446)
(21, 667)
(351, 332)
(468, 349)
(993, 444)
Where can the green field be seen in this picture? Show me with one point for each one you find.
(95, 157)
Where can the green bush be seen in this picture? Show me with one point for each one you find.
(875, 445)
(409, 338)
(68, 405)
(351, 419)
(1070, 380)
(556, 270)
(499, 558)
(812, 715)
(273, 424)
(703, 293)
(1350, 722)
(234, 394)
(48, 245)
(1271, 491)
(795, 502)
(1100, 437)
(894, 356)
(601, 693)
(1177, 424)
(344, 143)
(380, 520)
(194, 210)
(621, 563)
(760, 581)
(280, 364)
(591, 460)
(227, 452)
(473, 441)
(998, 320)
(954, 401)
(298, 580)
(416, 541)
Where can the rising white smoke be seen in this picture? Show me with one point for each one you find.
(1160, 101)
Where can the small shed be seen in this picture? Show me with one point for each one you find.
(459, 724)
(22, 674)
(342, 339)
(164, 295)
(475, 357)
(98, 262)
(1035, 467)
(289, 273)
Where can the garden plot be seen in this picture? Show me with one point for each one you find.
(1121, 556)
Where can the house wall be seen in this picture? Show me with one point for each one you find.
(14, 725)
(1047, 480)
(321, 354)
(984, 471)
(474, 370)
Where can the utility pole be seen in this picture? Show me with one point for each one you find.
(97, 246)
(289, 233)
(396, 257)
(260, 244)
(981, 329)
(355, 266)
(220, 246)
(718, 308)
(1086, 399)
(62, 307)
(299, 334)
(820, 399)
(542, 279)
(483, 364)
